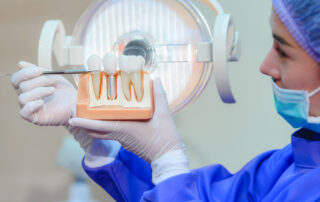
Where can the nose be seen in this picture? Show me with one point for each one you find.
(270, 65)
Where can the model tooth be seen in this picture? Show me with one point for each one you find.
(137, 77)
(94, 63)
(132, 74)
(125, 81)
(97, 84)
(110, 63)
(110, 66)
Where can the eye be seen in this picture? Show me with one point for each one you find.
(280, 52)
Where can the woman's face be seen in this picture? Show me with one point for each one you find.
(290, 66)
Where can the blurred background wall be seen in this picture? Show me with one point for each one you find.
(212, 131)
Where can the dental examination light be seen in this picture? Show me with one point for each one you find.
(173, 36)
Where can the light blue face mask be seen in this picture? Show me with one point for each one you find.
(294, 105)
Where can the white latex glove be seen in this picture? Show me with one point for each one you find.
(46, 100)
(50, 100)
(148, 139)
(98, 152)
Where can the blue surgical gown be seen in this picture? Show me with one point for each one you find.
(288, 174)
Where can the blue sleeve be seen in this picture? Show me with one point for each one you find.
(128, 178)
(125, 179)
(215, 183)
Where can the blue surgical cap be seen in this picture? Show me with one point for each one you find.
(302, 19)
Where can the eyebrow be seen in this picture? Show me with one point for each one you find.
(281, 40)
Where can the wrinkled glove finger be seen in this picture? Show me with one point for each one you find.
(30, 108)
(42, 81)
(81, 136)
(28, 71)
(97, 126)
(96, 134)
(24, 75)
(160, 98)
(35, 94)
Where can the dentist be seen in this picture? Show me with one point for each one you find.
(150, 164)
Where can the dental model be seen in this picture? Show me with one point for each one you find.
(94, 63)
(125, 94)
(110, 66)
(132, 75)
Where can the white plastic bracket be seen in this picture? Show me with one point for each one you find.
(224, 39)
(235, 52)
(225, 48)
(204, 52)
(73, 55)
(53, 39)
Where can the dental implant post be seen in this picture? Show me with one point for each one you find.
(110, 66)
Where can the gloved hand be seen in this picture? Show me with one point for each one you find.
(46, 100)
(50, 100)
(98, 152)
(150, 140)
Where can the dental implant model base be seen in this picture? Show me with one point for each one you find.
(116, 95)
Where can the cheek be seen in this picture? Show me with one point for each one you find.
(299, 76)
(290, 74)
(314, 78)
(288, 80)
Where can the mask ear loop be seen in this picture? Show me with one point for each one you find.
(314, 92)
